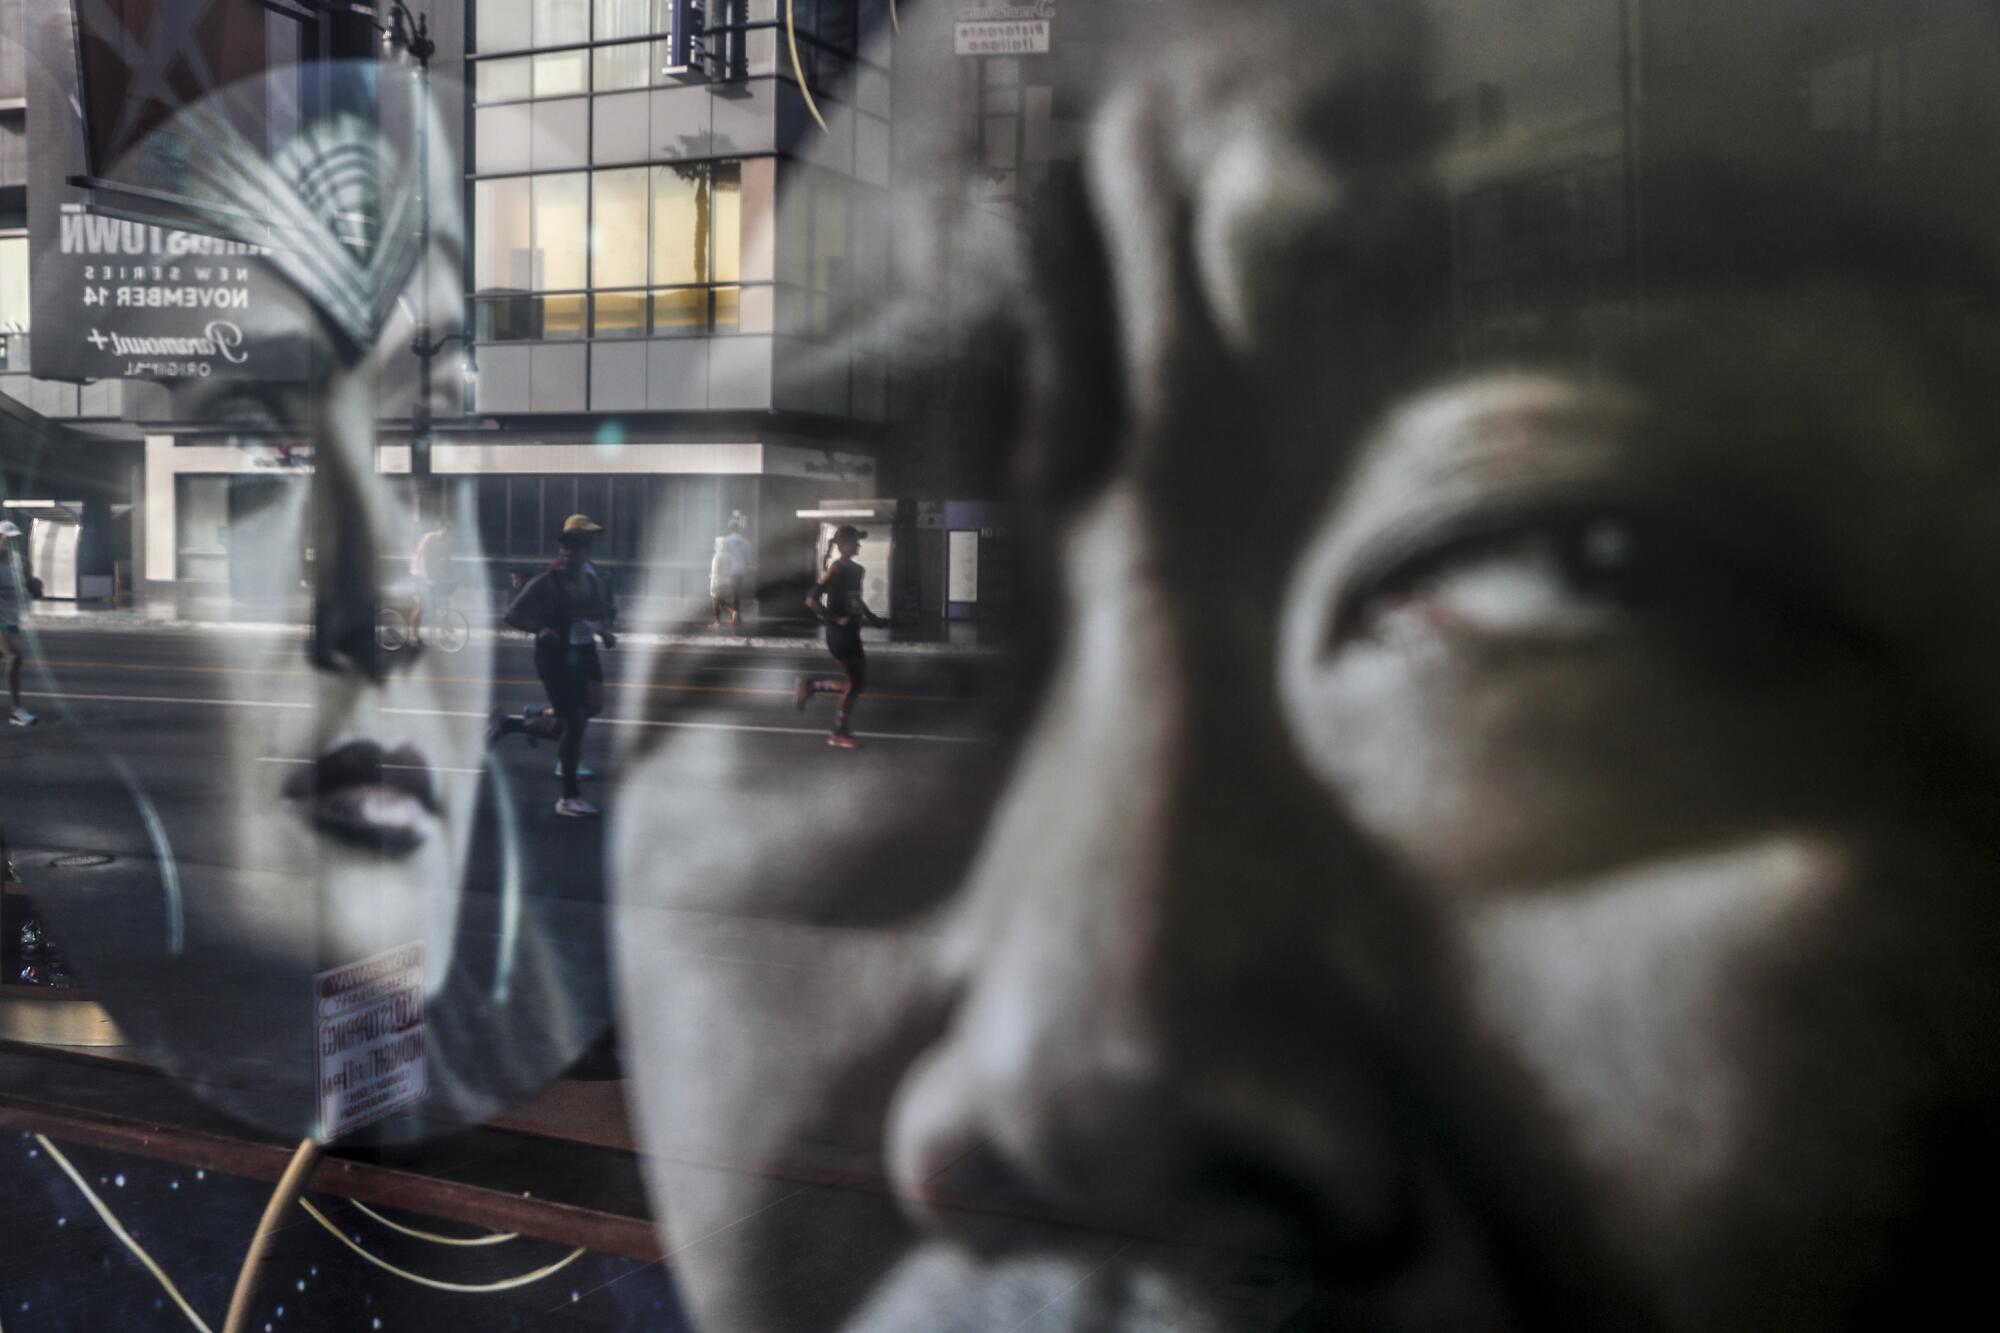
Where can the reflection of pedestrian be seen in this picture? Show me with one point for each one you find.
(726, 572)
(568, 608)
(430, 567)
(13, 606)
(836, 599)
(725, 584)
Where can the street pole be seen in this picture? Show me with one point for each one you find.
(411, 32)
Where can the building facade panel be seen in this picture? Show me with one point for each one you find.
(676, 375)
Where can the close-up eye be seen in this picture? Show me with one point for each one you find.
(1557, 575)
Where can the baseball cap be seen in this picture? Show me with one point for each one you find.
(8, 529)
(581, 523)
(847, 532)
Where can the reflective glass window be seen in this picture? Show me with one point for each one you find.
(728, 308)
(829, 251)
(503, 25)
(632, 18)
(625, 66)
(506, 318)
(559, 22)
(618, 223)
(503, 80)
(682, 310)
(681, 218)
(619, 315)
(13, 284)
(561, 73)
(561, 205)
(503, 235)
(564, 316)
(728, 222)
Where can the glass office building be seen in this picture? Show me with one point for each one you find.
(677, 223)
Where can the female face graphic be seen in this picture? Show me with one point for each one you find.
(355, 812)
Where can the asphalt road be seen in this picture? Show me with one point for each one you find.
(161, 703)
(132, 761)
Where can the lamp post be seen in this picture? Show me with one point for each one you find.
(410, 32)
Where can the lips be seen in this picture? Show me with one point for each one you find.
(365, 795)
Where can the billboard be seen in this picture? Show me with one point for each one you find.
(134, 275)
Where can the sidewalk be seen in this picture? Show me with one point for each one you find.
(956, 640)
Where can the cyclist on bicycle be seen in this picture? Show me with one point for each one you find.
(430, 567)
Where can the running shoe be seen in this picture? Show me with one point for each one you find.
(582, 774)
(499, 724)
(577, 808)
(528, 715)
(840, 740)
(802, 693)
(21, 717)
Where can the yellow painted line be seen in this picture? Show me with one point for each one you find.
(783, 692)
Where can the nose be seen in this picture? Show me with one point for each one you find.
(350, 519)
(1173, 976)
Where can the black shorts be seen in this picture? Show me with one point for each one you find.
(565, 668)
(844, 642)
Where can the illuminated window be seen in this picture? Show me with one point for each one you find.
(618, 240)
(562, 208)
(660, 248)
(13, 284)
(504, 80)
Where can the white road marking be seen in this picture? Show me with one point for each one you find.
(400, 768)
(928, 737)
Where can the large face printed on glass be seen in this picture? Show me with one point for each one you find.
(340, 822)
(1509, 852)
(365, 796)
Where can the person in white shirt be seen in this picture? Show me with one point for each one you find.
(14, 597)
(430, 567)
(726, 572)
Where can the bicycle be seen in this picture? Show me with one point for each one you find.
(447, 629)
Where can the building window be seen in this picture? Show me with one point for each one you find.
(629, 65)
(623, 44)
(632, 18)
(561, 22)
(504, 80)
(616, 44)
(562, 74)
(562, 226)
(619, 315)
(618, 228)
(14, 305)
(660, 248)
(503, 25)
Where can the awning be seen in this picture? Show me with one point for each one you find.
(42, 456)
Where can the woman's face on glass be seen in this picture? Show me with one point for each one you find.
(362, 795)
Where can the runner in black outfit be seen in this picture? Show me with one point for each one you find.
(568, 608)
(836, 599)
